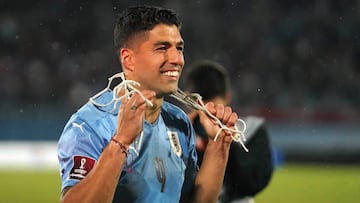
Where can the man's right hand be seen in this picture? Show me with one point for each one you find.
(131, 117)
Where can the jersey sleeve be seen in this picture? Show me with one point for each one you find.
(79, 148)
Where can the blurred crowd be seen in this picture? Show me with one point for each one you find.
(281, 54)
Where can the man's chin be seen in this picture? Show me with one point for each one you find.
(167, 92)
(173, 90)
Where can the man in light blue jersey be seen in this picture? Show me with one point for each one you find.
(128, 144)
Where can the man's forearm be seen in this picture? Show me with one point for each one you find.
(99, 185)
(211, 174)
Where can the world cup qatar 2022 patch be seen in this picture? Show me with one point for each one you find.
(82, 166)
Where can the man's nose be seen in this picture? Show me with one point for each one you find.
(175, 56)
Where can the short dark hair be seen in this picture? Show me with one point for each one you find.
(208, 78)
(139, 19)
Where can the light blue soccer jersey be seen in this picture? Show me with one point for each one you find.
(161, 165)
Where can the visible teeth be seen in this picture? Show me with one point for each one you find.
(172, 73)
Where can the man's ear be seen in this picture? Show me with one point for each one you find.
(127, 59)
(228, 98)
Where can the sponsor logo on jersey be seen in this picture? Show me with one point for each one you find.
(82, 166)
(174, 142)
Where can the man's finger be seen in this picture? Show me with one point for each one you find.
(220, 111)
(210, 106)
(227, 114)
(136, 101)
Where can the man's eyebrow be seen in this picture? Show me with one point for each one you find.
(166, 43)
(180, 43)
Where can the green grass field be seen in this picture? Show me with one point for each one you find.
(290, 184)
(29, 186)
(313, 183)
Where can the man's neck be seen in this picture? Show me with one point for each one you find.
(152, 113)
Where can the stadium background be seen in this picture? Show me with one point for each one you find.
(294, 63)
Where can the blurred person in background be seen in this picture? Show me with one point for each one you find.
(132, 146)
(247, 173)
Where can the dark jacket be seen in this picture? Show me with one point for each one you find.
(247, 173)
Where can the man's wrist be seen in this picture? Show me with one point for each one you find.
(124, 148)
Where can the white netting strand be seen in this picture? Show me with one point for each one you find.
(194, 101)
(128, 86)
